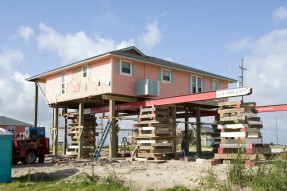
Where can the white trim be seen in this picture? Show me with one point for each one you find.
(162, 69)
(131, 68)
(111, 87)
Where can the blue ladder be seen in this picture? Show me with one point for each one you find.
(102, 141)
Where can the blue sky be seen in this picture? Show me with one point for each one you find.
(37, 36)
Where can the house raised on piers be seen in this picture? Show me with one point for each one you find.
(122, 76)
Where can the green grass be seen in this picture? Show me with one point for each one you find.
(86, 183)
(266, 176)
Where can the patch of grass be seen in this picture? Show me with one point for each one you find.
(177, 188)
(85, 182)
(264, 177)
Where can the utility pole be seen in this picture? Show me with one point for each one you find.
(276, 130)
(242, 71)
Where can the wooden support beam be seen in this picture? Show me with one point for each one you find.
(113, 133)
(46, 100)
(198, 133)
(81, 123)
(55, 131)
(36, 106)
(173, 131)
(119, 98)
(65, 131)
(186, 134)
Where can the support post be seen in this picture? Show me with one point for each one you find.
(81, 123)
(36, 106)
(113, 133)
(173, 130)
(186, 134)
(117, 134)
(55, 130)
(65, 132)
(198, 133)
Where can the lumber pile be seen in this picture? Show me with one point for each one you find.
(154, 133)
(240, 129)
(82, 137)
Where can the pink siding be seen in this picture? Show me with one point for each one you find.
(52, 85)
(126, 85)
(100, 70)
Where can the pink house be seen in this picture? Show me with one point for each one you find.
(126, 73)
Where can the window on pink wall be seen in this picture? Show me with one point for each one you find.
(166, 75)
(197, 84)
(126, 67)
(85, 71)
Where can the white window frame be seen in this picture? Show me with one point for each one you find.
(86, 66)
(162, 70)
(13, 128)
(214, 80)
(196, 84)
(65, 84)
(131, 68)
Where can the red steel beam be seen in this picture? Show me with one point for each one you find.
(161, 101)
(270, 108)
(267, 108)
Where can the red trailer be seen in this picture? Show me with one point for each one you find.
(28, 150)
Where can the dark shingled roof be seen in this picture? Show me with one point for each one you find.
(129, 53)
(13, 122)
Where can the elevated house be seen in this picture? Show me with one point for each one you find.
(12, 125)
(120, 76)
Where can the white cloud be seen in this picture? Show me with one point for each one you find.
(241, 44)
(280, 14)
(152, 36)
(9, 57)
(25, 33)
(125, 44)
(17, 94)
(266, 66)
(75, 47)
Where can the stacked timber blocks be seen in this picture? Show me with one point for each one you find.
(154, 139)
(240, 129)
(82, 137)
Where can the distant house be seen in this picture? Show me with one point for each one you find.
(13, 125)
(207, 138)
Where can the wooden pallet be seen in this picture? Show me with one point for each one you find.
(154, 132)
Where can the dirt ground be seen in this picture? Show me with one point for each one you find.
(139, 175)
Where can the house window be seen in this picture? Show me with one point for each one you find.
(85, 71)
(199, 84)
(166, 75)
(126, 67)
(196, 84)
(193, 78)
(63, 83)
(11, 129)
(215, 85)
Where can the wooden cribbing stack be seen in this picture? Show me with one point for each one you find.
(82, 137)
(216, 139)
(240, 129)
(154, 133)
